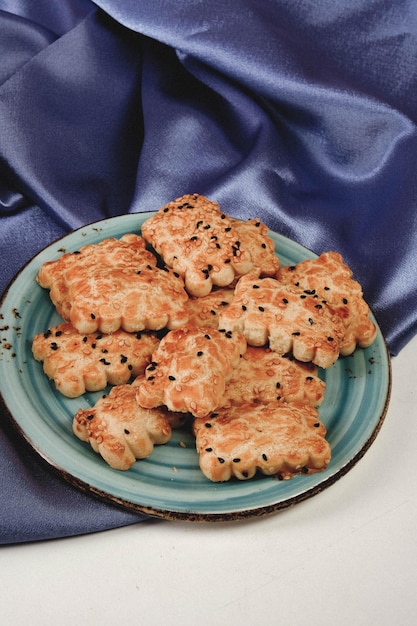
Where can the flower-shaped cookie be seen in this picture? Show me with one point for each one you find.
(199, 242)
(330, 279)
(189, 369)
(115, 284)
(276, 315)
(121, 430)
(78, 363)
(276, 439)
(263, 376)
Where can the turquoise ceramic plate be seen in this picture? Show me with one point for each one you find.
(169, 484)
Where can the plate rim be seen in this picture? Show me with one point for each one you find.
(167, 513)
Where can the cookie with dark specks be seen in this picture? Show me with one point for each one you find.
(205, 311)
(78, 363)
(199, 242)
(331, 280)
(263, 376)
(120, 430)
(253, 236)
(277, 439)
(279, 316)
(189, 369)
(115, 284)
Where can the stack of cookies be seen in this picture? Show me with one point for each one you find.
(194, 323)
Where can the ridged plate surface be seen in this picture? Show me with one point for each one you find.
(169, 483)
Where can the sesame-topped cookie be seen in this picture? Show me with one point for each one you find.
(199, 242)
(331, 280)
(205, 311)
(189, 369)
(278, 316)
(277, 439)
(115, 284)
(119, 429)
(253, 236)
(263, 376)
(129, 252)
(78, 363)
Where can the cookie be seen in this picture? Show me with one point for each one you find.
(189, 370)
(276, 439)
(253, 236)
(120, 430)
(115, 284)
(331, 280)
(205, 311)
(78, 363)
(269, 313)
(128, 252)
(263, 376)
(199, 242)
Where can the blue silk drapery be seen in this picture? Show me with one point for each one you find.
(299, 112)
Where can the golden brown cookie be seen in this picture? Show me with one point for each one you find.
(275, 439)
(276, 315)
(263, 376)
(115, 284)
(121, 430)
(199, 242)
(329, 278)
(128, 252)
(189, 369)
(205, 311)
(253, 236)
(78, 363)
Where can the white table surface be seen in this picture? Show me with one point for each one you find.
(345, 556)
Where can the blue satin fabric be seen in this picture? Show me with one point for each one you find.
(302, 113)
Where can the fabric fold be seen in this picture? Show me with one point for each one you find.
(85, 117)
